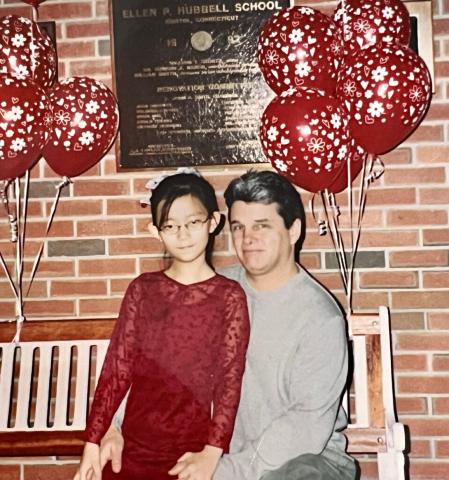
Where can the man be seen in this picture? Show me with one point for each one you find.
(290, 416)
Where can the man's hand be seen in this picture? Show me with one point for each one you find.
(111, 449)
(199, 465)
(90, 463)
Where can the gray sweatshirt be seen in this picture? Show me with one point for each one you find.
(296, 371)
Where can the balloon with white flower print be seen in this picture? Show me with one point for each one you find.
(26, 51)
(25, 121)
(355, 162)
(386, 90)
(365, 24)
(300, 47)
(304, 134)
(85, 125)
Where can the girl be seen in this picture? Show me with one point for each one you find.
(179, 344)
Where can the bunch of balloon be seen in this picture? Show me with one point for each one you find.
(72, 123)
(348, 89)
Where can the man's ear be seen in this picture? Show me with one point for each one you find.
(153, 231)
(295, 231)
(216, 223)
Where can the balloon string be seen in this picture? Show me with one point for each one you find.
(351, 227)
(319, 220)
(11, 218)
(19, 264)
(334, 237)
(64, 183)
(33, 47)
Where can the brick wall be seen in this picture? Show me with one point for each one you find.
(98, 244)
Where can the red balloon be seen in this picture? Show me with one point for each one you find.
(355, 163)
(25, 121)
(85, 125)
(300, 47)
(386, 91)
(26, 51)
(304, 134)
(34, 3)
(367, 23)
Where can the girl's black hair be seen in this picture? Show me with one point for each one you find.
(180, 185)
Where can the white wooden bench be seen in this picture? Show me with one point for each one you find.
(46, 386)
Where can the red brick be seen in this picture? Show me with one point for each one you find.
(434, 196)
(410, 363)
(427, 133)
(74, 208)
(57, 229)
(432, 299)
(36, 308)
(442, 448)
(388, 279)
(104, 227)
(440, 406)
(369, 300)
(93, 68)
(412, 176)
(88, 29)
(99, 267)
(417, 217)
(411, 405)
(436, 280)
(419, 258)
(65, 11)
(101, 8)
(76, 49)
(119, 286)
(432, 154)
(427, 427)
(436, 236)
(53, 472)
(129, 246)
(310, 260)
(108, 306)
(439, 321)
(438, 111)
(440, 26)
(440, 363)
(21, 11)
(101, 188)
(397, 156)
(429, 470)
(7, 310)
(49, 268)
(423, 341)
(126, 206)
(331, 281)
(420, 448)
(78, 288)
(159, 263)
(391, 196)
(368, 470)
(9, 472)
(407, 321)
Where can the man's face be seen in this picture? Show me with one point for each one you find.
(262, 242)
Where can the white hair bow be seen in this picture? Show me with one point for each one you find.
(154, 182)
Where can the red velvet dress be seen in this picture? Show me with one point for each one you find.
(181, 349)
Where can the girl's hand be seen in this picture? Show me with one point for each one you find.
(90, 463)
(199, 465)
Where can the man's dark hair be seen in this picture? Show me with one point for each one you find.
(268, 187)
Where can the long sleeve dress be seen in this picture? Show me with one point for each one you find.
(181, 349)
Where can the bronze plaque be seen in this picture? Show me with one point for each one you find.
(189, 89)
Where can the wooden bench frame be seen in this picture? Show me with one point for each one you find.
(374, 428)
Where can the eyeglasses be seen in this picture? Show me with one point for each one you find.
(193, 225)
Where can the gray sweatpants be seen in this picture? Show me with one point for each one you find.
(312, 467)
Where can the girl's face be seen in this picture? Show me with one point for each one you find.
(185, 233)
